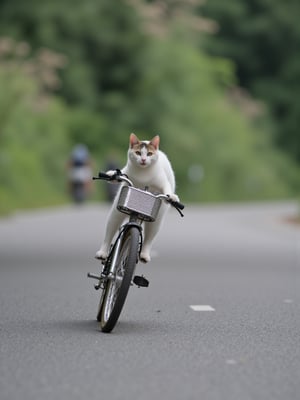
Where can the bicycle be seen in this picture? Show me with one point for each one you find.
(118, 269)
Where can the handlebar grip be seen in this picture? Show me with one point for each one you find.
(103, 175)
(176, 204)
(115, 177)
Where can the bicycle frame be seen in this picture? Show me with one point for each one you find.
(115, 249)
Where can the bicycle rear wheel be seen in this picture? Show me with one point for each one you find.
(116, 290)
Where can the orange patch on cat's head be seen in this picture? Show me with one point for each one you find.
(135, 142)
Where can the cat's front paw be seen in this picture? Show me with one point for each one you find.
(111, 173)
(101, 255)
(174, 197)
(145, 256)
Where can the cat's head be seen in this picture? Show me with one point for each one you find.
(143, 153)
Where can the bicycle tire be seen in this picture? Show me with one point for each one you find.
(115, 293)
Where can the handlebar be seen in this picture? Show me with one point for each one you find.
(173, 203)
(120, 177)
(117, 176)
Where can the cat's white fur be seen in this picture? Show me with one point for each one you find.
(144, 168)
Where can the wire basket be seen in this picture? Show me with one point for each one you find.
(144, 204)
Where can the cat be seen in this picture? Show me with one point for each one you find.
(146, 166)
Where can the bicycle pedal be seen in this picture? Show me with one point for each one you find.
(140, 281)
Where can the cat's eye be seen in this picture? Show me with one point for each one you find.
(138, 153)
(149, 154)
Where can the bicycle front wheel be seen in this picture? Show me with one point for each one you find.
(116, 290)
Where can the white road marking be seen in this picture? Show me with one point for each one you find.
(202, 308)
(231, 362)
(288, 301)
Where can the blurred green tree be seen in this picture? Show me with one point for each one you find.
(33, 130)
(262, 37)
(185, 101)
(103, 44)
(125, 70)
(101, 40)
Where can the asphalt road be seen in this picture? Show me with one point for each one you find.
(240, 263)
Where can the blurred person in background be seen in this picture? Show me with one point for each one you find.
(80, 174)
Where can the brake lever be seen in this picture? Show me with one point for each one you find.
(177, 205)
(178, 209)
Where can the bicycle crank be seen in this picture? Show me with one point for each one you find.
(98, 278)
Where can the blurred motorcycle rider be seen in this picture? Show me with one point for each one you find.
(80, 173)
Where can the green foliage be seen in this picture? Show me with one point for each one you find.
(262, 37)
(110, 78)
(100, 38)
(33, 142)
(185, 102)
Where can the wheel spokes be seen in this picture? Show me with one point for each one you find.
(115, 284)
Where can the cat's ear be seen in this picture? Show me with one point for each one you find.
(133, 140)
(155, 142)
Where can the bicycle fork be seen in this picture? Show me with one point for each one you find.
(111, 274)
